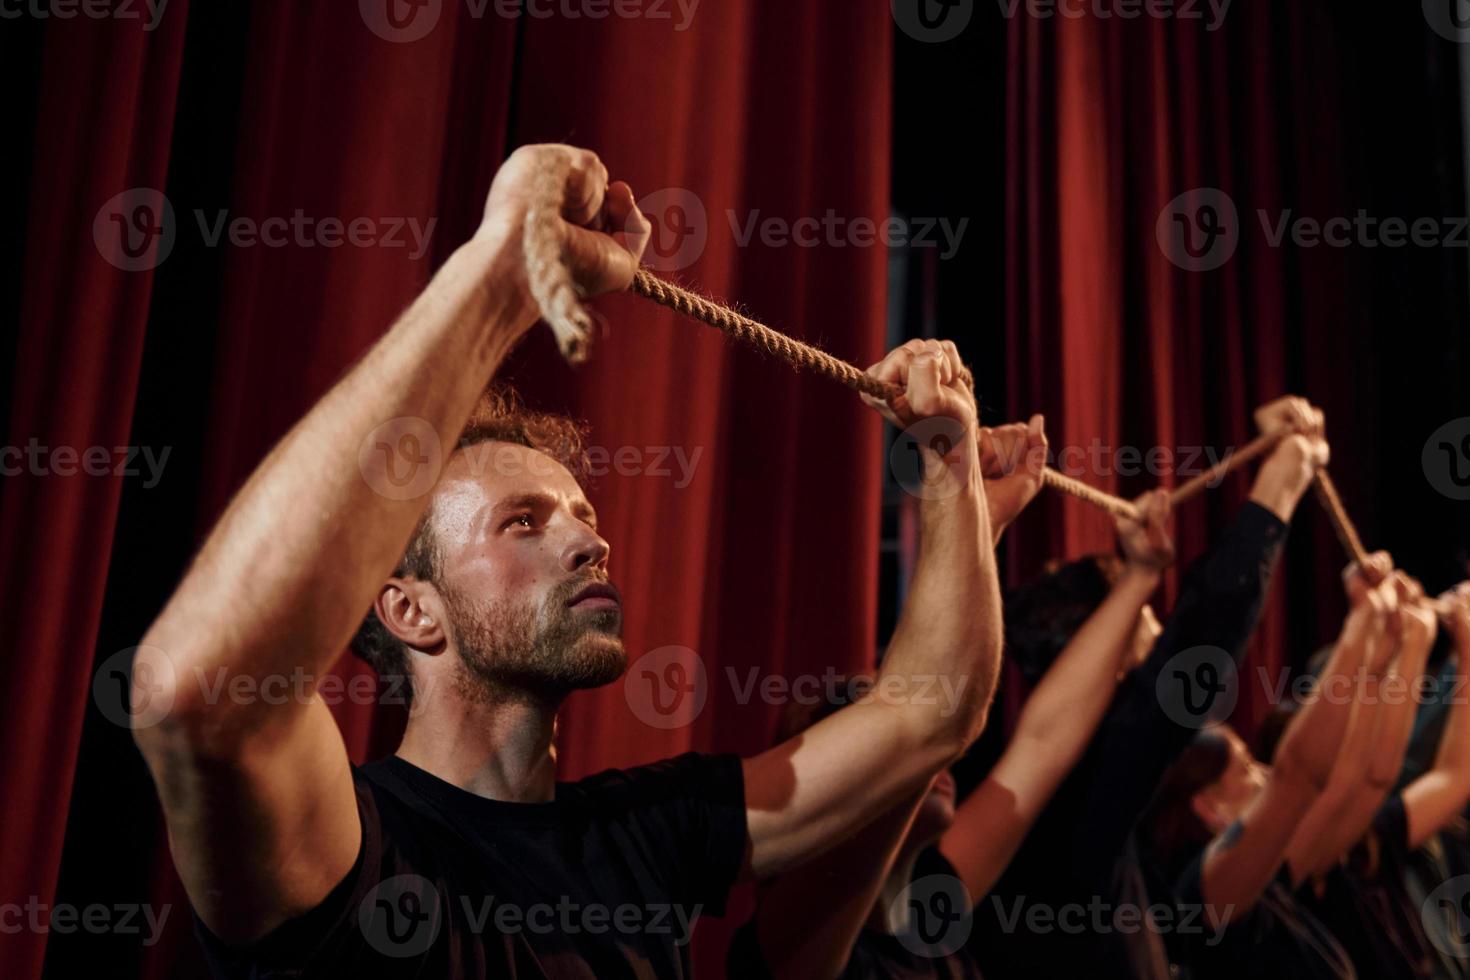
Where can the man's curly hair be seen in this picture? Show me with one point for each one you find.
(499, 416)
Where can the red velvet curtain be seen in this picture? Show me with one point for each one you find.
(1108, 121)
(79, 346)
(759, 552)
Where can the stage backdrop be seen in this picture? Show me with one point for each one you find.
(1134, 340)
(739, 499)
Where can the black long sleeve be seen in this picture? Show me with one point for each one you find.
(1220, 601)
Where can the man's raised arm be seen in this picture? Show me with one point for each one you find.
(259, 797)
(934, 689)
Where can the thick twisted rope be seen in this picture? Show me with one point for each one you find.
(801, 355)
(551, 281)
(1337, 515)
(563, 310)
(794, 352)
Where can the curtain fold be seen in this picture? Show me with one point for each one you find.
(83, 316)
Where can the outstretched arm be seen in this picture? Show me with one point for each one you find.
(286, 575)
(1062, 713)
(1219, 605)
(1369, 784)
(1240, 862)
(811, 792)
(1433, 799)
(1312, 850)
(808, 919)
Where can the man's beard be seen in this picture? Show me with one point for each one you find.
(517, 650)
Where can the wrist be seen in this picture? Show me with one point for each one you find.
(493, 260)
(1279, 488)
(1142, 573)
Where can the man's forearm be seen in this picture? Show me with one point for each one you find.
(302, 549)
(951, 621)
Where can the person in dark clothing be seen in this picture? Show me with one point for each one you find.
(1070, 901)
(858, 913)
(1247, 844)
(476, 578)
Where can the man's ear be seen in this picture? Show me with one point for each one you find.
(413, 612)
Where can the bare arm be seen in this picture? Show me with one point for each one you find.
(1312, 851)
(1433, 799)
(288, 572)
(808, 919)
(1385, 755)
(1062, 714)
(811, 792)
(1242, 861)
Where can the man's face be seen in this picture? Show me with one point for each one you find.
(523, 574)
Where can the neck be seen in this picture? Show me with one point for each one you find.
(888, 917)
(498, 747)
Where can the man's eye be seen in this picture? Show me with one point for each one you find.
(520, 520)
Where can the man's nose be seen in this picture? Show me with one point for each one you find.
(585, 547)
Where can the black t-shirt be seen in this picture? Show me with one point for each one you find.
(875, 955)
(603, 882)
(1367, 905)
(1277, 937)
(1069, 868)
